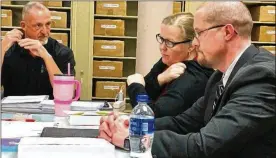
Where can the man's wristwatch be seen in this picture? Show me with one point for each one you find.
(127, 144)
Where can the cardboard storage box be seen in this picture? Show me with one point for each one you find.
(59, 19)
(109, 89)
(52, 3)
(109, 27)
(111, 7)
(269, 48)
(6, 17)
(6, 2)
(107, 68)
(60, 37)
(263, 13)
(176, 7)
(263, 34)
(3, 33)
(112, 48)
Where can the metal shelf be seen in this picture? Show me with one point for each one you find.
(115, 16)
(114, 78)
(17, 27)
(21, 6)
(117, 37)
(108, 57)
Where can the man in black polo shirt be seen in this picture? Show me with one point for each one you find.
(30, 58)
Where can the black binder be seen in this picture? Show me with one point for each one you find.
(69, 132)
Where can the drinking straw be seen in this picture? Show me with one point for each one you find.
(68, 69)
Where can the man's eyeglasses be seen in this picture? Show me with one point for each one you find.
(197, 34)
(169, 43)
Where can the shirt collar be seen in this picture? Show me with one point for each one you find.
(231, 67)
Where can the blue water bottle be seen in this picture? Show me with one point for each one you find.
(141, 131)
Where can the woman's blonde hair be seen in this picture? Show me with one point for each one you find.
(184, 21)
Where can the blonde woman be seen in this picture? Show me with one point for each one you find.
(176, 81)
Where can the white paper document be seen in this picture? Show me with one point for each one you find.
(24, 99)
(40, 147)
(18, 129)
(83, 120)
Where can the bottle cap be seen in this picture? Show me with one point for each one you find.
(142, 98)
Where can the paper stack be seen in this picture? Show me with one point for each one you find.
(48, 105)
(13, 131)
(29, 103)
(18, 129)
(65, 147)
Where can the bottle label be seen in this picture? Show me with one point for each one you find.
(141, 126)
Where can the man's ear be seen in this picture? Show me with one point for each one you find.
(191, 48)
(23, 25)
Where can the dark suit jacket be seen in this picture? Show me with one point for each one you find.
(243, 124)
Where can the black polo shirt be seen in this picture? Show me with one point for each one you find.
(23, 74)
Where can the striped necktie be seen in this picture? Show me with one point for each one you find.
(219, 91)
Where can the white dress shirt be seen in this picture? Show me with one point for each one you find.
(230, 68)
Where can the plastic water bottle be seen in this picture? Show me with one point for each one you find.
(141, 131)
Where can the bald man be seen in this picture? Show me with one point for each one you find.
(236, 118)
(30, 58)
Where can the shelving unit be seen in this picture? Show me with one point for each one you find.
(129, 38)
(110, 78)
(115, 37)
(18, 27)
(115, 16)
(178, 6)
(267, 23)
(106, 57)
(248, 3)
(17, 6)
(21, 6)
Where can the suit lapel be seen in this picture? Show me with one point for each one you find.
(247, 55)
(210, 92)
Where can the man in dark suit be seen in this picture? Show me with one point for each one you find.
(236, 118)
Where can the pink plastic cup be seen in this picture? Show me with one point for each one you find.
(64, 88)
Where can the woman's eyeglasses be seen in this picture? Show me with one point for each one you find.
(169, 43)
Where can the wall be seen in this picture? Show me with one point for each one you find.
(151, 14)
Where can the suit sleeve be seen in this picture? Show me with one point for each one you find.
(250, 112)
(189, 121)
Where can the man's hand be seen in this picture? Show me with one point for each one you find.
(10, 38)
(114, 128)
(173, 72)
(35, 47)
(136, 78)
